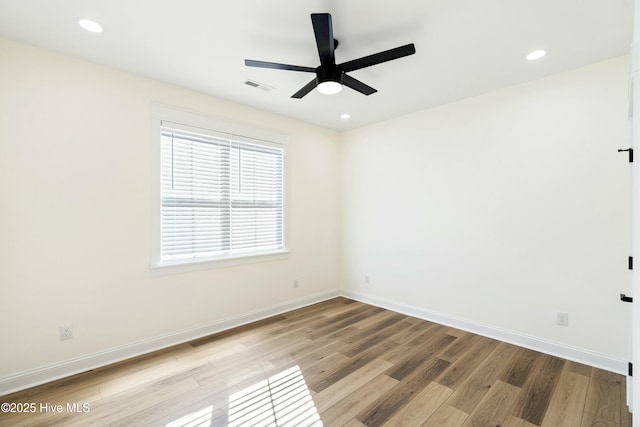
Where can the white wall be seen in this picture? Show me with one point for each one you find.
(75, 214)
(499, 210)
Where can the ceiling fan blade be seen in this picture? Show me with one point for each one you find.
(378, 58)
(356, 84)
(306, 89)
(323, 30)
(277, 66)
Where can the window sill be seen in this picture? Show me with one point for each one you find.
(207, 264)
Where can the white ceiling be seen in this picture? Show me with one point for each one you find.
(464, 47)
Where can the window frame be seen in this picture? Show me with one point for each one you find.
(189, 119)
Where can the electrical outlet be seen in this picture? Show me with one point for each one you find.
(295, 283)
(562, 318)
(66, 332)
(366, 279)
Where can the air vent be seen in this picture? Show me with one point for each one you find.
(257, 85)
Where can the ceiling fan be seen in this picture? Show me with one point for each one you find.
(331, 76)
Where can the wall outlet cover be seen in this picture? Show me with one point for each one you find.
(66, 332)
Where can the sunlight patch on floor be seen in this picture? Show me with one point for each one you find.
(280, 400)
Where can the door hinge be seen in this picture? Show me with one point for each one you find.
(630, 369)
(625, 298)
(630, 263)
(630, 150)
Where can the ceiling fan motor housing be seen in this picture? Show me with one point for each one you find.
(326, 74)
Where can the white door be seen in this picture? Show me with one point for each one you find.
(633, 383)
(635, 250)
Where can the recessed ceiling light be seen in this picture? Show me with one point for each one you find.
(345, 116)
(90, 25)
(536, 54)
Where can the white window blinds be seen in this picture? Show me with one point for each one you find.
(221, 197)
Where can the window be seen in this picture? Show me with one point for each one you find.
(221, 195)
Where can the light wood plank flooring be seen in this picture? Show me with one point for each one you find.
(337, 363)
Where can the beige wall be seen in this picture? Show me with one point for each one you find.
(75, 216)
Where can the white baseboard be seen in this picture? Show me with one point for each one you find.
(564, 351)
(26, 379)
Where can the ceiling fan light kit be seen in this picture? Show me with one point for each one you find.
(330, 77)
(329, 87)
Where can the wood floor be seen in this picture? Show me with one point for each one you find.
(337, 363)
